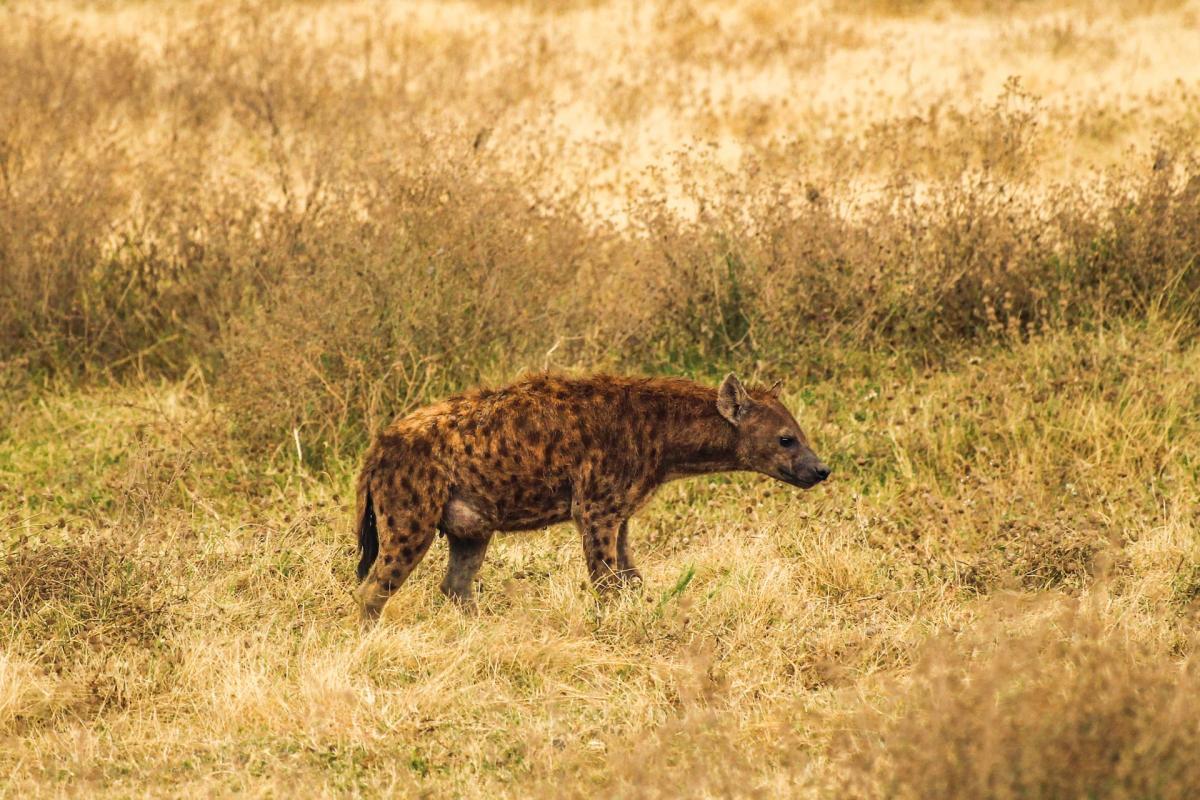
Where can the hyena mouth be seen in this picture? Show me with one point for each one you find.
(795, 480)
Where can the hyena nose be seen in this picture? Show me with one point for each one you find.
(822, 472)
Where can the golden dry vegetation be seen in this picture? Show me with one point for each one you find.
(236, 239)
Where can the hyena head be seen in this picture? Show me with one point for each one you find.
(769, 438)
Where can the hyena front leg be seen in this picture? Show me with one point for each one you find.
(600, 529)
(626, 572)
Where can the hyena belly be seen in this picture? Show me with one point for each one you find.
(535, 506)
(519, 506)
(517, 509)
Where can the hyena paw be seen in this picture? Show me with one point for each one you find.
(630, 578)
(463, 598)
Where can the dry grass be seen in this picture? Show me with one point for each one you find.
(236, 240)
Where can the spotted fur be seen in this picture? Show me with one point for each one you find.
(550, 449)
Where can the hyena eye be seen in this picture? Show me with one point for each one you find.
(786, 441)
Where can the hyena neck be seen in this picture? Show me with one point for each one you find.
(699, 440)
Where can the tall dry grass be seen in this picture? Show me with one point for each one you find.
(1070, 708)
(332, 262)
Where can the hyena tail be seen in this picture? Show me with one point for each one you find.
(368, 531)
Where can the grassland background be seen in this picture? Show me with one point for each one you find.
(236, 239)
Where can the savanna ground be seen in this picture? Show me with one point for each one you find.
(236, 239)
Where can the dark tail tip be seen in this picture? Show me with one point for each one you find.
(368, 538)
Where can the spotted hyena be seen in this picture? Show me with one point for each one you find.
(550, 449)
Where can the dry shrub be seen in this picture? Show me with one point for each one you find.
(57, 182)
(694, 756)
(66, 600)
(359, 249)
(1004, 141)
(445, 278)
(25, 691)
(130, 234)
(144, 489)
(755, 33)
(109, 259)
(95, 618)
(450, 279)
(1069, 708)
(1040, 554)
(969, 260)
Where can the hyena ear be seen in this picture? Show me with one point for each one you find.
(776, 387)
(733, 401)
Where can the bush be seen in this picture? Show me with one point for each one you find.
(1069, 708)
(362, 250)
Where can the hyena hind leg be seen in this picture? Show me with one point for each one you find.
(403, 542)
